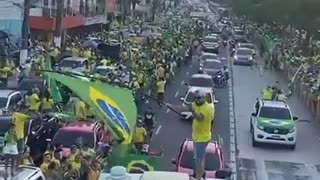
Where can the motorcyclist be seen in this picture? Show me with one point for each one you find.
(281, 96)
(146, 151)
(149, 121)
(225, 72)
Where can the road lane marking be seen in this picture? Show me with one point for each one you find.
(176, 95)
(187, 73)
(158, 129)
(182, 82)
(168, 110)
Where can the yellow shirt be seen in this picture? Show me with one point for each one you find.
(267, 94)
(160, 72)
(4, 72)
(19, 120)
(140, 78)
(160, 86)
(140, 134)
(75, 165)
(47, 104)
(44, 167)
(89, 152)
(87, 54)
(34, 102)
(71, 158)
(74, 52)
(104, 62)
(93, 175)
(201, 130)
(80, 110)
(27, 162)
(57, 162)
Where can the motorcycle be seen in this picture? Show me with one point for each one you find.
(225, 43)
(233, 52)
(148, 117)
(220, 80)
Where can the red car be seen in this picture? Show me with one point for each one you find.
(80, 132)
(184, 161)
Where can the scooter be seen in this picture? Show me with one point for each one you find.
(225, 43)
(220, 80)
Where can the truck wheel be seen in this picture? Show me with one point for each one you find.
(292, 147)
(254, 142)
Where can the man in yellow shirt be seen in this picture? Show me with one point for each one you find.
(87, 53)
(160, 72)
(35, 101)
(201, 129)
(46, 161)
(80, 110)
(140, 136)
(160, 89)
(267, 93)
(19, 118)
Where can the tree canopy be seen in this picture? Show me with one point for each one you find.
(303, 14)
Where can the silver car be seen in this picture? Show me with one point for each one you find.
(211, 67)
(243, 56)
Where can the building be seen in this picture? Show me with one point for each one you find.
(11, 17)
(76, 14)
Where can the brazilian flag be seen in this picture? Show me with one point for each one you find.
(125, 155)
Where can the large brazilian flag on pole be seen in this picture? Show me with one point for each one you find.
(111, 104)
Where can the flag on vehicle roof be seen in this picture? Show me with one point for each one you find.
(125, 156)
(113, 105)
(52, 85)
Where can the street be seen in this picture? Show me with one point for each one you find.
(171, 130)
(272, 162)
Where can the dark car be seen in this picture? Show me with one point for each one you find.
(211, 67)
(211, 44)
(26, 84)
(5, 122)
(40, 131)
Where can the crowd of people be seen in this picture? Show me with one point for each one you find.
(149, 63)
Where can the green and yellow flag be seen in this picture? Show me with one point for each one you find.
(52, 85)
(125, 156)
(111, 104)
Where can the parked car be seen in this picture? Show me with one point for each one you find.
(190, 97)
(5, 122)
(8, 100)
(40, 131)
(72, 64)
(200, 81)
(184, 161)
(211, 44)
(204, 56)
(78, 133)
(211, 67)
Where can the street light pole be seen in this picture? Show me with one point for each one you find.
(58, 28)
(25, 32)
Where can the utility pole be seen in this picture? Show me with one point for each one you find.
(123, 11)
(25, 32)
(58, 28)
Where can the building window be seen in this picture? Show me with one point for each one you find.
(53, 8)
(46, 9)
(69, 9)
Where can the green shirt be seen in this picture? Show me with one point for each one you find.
(10, 138)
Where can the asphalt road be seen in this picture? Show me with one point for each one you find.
(171, 130)
(272, 162)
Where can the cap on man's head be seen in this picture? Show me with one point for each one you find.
(200, 93)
